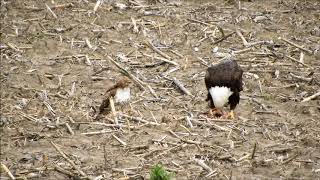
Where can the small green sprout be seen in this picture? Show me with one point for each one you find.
(159, 173)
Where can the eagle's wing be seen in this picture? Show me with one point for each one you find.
(227, 73)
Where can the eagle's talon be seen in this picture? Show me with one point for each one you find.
(216, 112)
(230, 115)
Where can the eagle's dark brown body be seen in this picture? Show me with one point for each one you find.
(225, 74)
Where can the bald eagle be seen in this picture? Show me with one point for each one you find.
(224, 84)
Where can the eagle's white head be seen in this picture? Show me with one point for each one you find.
(220, 95)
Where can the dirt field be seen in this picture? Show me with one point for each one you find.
(56, 67)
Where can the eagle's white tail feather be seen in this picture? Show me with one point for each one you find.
(122, 95)
(220, 95)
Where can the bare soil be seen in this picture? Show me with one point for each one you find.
(55, 71)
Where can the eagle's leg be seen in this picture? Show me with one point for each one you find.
(214, 111)
(233, 101)
(218, 112)
(230, 114)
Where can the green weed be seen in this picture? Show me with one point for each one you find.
(159, 173)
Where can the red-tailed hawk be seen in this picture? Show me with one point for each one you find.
(224, 83)
(120, 92)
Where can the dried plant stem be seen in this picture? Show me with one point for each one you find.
(108, 125)
(88, 43)
(97, 132)
(181, 86)
(13, 47)
(244, 41)
(113, 110)
(61, 170)
(300, 77)
(60, 6)
(152, 91)
(311, 97)
(69, 160)
(194, 142)
(167, 151)
(53, 14)
(6, 169)
(138, 119)
(189, 122)
(299, 62)
(295, 45)
(223, 38)
(69, 129)
(301, 57)
(168, 58)
(253, 150)
(198, 21)
(291, 158)
(201, 163)
(127, 73)
(119, 140)
(98, 3)
(162, 59)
